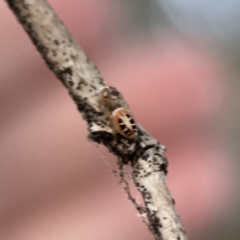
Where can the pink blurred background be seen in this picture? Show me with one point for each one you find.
(53, 182)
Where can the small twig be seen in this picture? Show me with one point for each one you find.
(86, 87)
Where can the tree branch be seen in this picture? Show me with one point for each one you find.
(107, 115)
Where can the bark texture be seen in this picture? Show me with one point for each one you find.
(96, 101)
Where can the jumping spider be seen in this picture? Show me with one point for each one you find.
(119, 113)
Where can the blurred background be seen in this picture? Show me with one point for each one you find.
(177, 64)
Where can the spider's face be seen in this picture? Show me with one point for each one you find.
(110, 93)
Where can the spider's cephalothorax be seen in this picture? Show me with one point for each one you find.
(112, 99)
(119, 113)
(110, 93)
